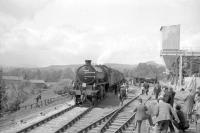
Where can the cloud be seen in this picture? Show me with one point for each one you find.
(22, 8)
(68, 45)
(54, 45)
(191, 42)
(51, 32)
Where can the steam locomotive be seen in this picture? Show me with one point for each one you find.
(94, 81)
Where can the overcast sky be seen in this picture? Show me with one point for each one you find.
(58, 32)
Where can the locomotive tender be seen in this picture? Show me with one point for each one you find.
(93, 81)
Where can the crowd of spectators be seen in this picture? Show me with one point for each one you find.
(168, 114)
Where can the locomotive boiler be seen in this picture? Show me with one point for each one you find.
(94, 81)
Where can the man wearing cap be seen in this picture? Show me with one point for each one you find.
(163, 116)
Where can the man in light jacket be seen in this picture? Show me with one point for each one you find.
(163, 113)
(141, 115)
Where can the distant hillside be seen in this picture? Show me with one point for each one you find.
(58, 72)
(121, 67)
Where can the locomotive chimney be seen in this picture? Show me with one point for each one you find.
(88, 62)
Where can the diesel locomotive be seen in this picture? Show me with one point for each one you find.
(94, 81)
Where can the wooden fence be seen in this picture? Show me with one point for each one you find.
(42, 103)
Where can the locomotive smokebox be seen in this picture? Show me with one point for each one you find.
(88, 62)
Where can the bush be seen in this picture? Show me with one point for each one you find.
(14, 106)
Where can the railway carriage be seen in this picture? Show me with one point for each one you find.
(94, 81)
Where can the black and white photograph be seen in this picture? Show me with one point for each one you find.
(99, 66)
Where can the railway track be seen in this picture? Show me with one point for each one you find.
(92, 120)
(120, 120)
(94, 115)
(128, 126)
(71, 115)
(97, 128)
(74, 119)
(47, 119)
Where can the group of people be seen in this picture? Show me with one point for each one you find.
(168, 117)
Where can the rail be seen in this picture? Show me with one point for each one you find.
(45, 120)
(122, 127)
(69, 124)
(110, 120)
(94, 124)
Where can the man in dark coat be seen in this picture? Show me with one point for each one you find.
(172, 95)
(169, 98)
